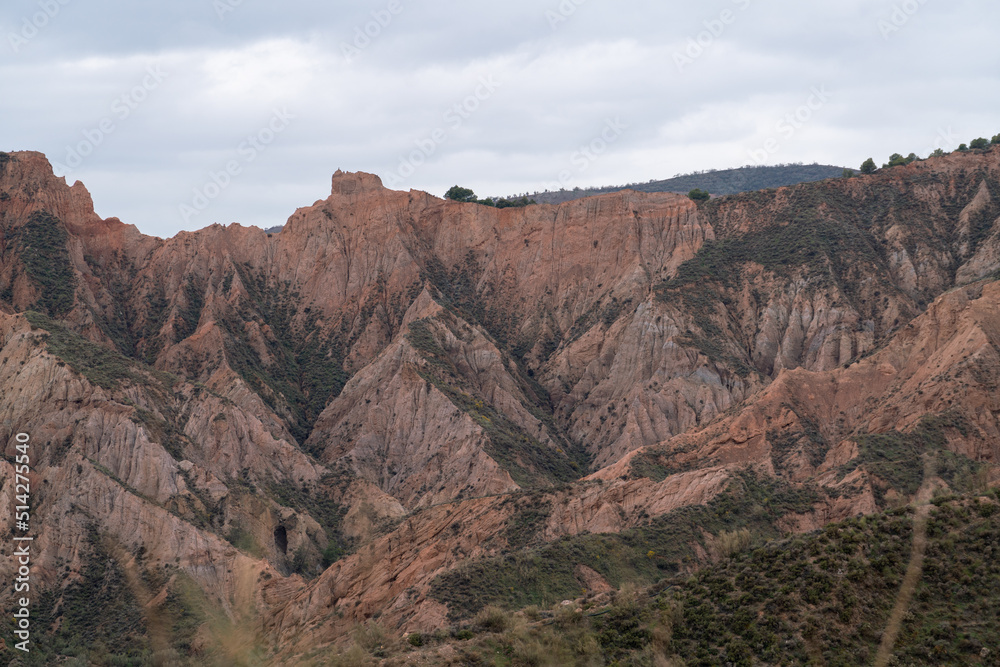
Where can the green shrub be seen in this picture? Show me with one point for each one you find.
(304, 369)
(371, 636)
(190, 313)
(96, 617)
(622, 630)
(826, 594)
(333, 552)
(41, 247)
(302, 563)
(986, 510)
(546, 575)
(897, 458)
(655, 465)
(494, 619)
(896, 160)
(525, 524)
(501, 202)
(460, 194)
(243, 539)
(101, 366)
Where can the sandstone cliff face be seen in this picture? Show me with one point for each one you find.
(318, 424)
(94, 465)
(944, 361)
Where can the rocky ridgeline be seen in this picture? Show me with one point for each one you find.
(277, 436)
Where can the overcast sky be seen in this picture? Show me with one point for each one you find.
(190, 112)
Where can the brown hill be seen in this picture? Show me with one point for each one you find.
(274, 438)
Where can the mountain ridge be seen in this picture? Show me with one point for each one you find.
(718, 182)
(335, 419)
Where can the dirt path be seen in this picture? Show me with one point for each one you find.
(914, 569)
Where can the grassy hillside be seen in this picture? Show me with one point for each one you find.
(662, 547)
(819, 598)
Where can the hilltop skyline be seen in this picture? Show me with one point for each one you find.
(240, 113)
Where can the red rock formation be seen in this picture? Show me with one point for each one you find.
(391, 369)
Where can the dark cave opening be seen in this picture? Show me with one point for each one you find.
(281, 539)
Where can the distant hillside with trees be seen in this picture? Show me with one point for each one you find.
(715, 181)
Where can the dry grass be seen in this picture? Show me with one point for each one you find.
(729, 543)
(494, 619)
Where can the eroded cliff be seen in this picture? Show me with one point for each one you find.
(299, 432)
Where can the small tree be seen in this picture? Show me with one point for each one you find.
(895, 160)
(301, 562)
(699, 195)
(515, 203)
(938, 152)
(981, 142)
(868, 166)
(332, 553)
(457, 193)
(963, 147)
(847, 173)
(996, 140)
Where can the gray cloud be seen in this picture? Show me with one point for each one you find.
(692, 86)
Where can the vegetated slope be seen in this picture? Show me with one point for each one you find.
(821, 440)
(715, 181)
(823, 596)
(277, 437)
